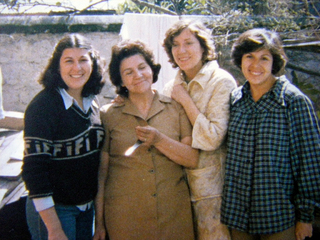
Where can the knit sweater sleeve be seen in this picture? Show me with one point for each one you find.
(39, 127)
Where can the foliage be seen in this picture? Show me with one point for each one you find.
(130, 7)
(16, 4)
(23, 6)
(254, 7)
(237, 21)
(233, 16)
(178, 7)
(278, 8)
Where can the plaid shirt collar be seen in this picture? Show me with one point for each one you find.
(277, 91)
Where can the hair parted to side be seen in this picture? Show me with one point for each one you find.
(51, 77)
(123, 50)
(259, 39)
(202, 33)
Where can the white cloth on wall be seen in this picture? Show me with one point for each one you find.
(151, 29)
(1, 105)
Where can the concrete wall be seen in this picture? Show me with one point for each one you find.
(24, 56)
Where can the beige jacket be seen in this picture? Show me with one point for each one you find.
(210, 91)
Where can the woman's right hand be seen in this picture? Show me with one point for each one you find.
(180, 94)
(53, 224)
(57, 235)
(149, 135)
(303, 230)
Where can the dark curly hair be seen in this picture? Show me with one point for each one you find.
(199, 30)
(258, 39)
(51, 78)
(123, 50)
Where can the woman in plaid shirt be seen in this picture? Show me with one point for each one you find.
(272, 181)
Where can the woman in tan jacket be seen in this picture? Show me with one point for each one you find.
(203, 89)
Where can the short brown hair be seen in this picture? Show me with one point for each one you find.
(258, 39)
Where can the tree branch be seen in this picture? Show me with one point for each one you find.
(91, 5)
(153, 6)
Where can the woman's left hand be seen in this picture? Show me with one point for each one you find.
(149, 135)
(118, 99)
(303, 230)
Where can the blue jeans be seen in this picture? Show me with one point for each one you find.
(76, 224)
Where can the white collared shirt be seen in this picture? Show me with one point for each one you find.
(69, 100)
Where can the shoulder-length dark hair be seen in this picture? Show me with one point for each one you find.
(51, 77)
(125, 49)
(199, 30)
(259, 39)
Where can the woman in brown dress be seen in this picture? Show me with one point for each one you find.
(143, 195)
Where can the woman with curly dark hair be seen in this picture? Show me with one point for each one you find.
(63, 136)
(146, 195)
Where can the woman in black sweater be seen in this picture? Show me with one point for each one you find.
(63, 136)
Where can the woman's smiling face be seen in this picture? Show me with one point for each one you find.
(136, 74)
(187, 53)
(75, 68)
(257, 68)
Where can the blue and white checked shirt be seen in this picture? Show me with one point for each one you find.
(273, 162)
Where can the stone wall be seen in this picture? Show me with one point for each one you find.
(24, 56)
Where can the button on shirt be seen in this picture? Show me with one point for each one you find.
(273, 168)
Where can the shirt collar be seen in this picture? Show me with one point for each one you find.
(69, 100)
(277, 90)
(202, 76)
(157, 105)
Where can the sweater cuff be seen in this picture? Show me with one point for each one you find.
(43, 203)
